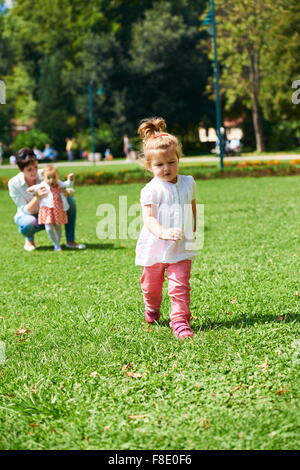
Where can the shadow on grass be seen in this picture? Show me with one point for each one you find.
(89, 246)
(245, 321)
(237, 323)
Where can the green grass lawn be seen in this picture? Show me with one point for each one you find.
(235, 385)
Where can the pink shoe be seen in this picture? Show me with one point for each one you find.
(151, 317)
(181, 329)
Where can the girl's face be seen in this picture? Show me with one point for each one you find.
(51, 179)
(165, 166)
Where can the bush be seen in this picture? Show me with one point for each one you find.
(284, 135)
(32, 138)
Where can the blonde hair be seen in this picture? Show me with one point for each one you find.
(50, 169)
(155, 140)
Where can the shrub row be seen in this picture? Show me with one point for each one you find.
(230, 170)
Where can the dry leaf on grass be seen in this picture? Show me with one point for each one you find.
(296, 293)
(233, 301)
(127, 366)
(264, 365)
(33, 425)
(205, 423)
(281, 392)
(106, 428)
(1, 318)
(280, 318)
(241, 435)
(93, 374)
(137, 416)
(23, 331)
(133, 375)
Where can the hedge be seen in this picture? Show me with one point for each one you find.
(255, 168)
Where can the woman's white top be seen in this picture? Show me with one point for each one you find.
(173, 210)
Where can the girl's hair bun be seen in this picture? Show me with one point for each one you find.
(151, 126)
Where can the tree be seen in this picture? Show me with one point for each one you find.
(255, 39)
(53, 101)
(168, 70)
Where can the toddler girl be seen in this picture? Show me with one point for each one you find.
(169, 214)
(53, 207)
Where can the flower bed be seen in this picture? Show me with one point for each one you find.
(253, 168)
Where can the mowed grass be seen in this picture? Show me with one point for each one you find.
(235, 385)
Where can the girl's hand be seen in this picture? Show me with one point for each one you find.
(67, 191)
(171, 234)
(41, 192)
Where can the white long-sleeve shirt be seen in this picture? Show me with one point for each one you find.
(173, 210)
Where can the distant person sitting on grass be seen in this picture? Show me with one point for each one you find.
(54, 206)
(169, 213)
(28, 204)
(108, 155)
(38, 153)
(12, 160)
(49, 153)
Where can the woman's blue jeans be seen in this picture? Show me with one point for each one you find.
(28, 224)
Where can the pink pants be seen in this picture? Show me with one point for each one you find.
(178, 275)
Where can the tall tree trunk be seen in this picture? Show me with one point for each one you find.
(256, 113)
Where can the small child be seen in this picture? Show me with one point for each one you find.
(53, 207)
(169, 214)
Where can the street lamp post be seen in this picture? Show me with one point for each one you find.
(210, 20)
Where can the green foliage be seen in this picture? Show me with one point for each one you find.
(20, 86)
(150, 58)
(32, 138)
(52, 110)
(200, 171)
(284, 135)
(169, 70)
(257, 46)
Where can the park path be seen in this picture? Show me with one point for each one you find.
(121, 161)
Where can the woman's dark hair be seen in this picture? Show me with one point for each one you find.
(25, 157)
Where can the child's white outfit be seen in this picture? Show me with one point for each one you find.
(173, 258)
(174, 210)
(47, 201)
